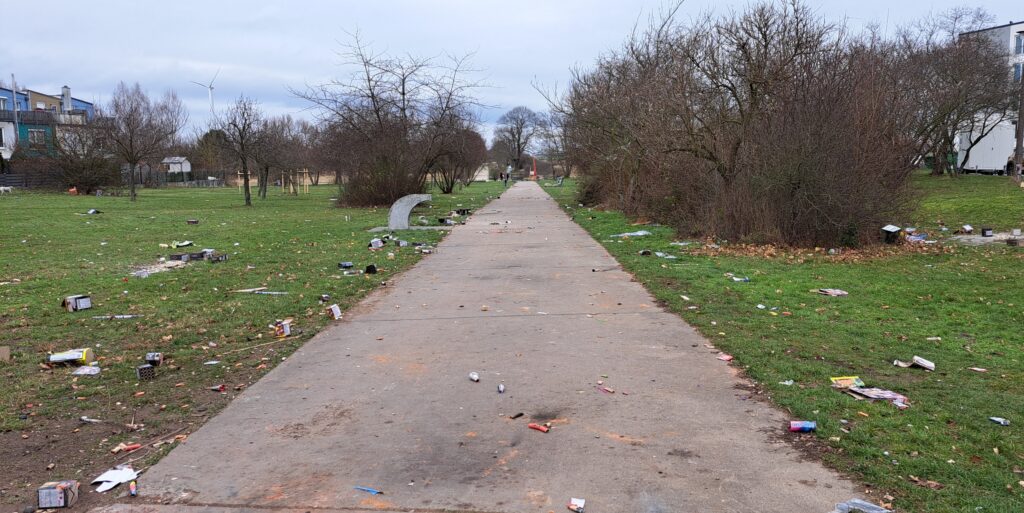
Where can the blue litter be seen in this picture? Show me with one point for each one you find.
(369, 490)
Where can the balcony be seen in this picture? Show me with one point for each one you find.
(31, 117)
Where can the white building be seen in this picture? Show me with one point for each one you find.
(178, 169)
(992, 153)
(6, 139)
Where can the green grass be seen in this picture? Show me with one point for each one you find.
(285, 243)
(977, 200)
(972, 298)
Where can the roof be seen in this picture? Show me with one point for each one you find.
(174, 160)
(1012, 23)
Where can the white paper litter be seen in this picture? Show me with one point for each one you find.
(639, 233)
(115, 476)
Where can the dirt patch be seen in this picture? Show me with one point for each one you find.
(321, 423)
(683, 453)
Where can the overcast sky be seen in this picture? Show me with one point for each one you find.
(263, 48)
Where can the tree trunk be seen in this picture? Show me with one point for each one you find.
(131, 172)
(264, 183)
(245, 183)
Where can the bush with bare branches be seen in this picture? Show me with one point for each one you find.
(769, 125)
(391, 121)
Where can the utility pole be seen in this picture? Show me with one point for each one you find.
(1019, 154)
(14, 89)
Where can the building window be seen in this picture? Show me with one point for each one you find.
(3, 103)
(1019, 44)
(1017, 70)
(36, 138)
(2, 145)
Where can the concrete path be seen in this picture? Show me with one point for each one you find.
(382, 399)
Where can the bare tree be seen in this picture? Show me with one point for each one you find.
(518, 129)
(142, 128)
(766, 125)
(465, 152)
(391, 120)
(959, 83)
(279, 149)
(242, 127)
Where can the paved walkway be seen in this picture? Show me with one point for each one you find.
(382, 399)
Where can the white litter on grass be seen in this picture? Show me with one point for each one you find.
(115, 476)
(664, 255)
(639, 233)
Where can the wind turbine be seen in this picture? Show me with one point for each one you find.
(209, 87)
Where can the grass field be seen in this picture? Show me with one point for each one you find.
(286, 243)
(971, 298)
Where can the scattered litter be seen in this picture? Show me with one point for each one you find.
(249, 291)
(788, 382)
(88, 420)
(115, 476)
(934, 339)
(934, 485)
(664, 255)
(282, 328)
(375, 244)
(516, 416)
(538, 427)
(859, 506)
(334, 311)
(967, 228)
(639, 233)
(898, 400)
(123, 447)
(761, 307)
(368, 490)
(725, 357)
(155, 359)
(474, 377)
(999, 420)
(145, 372)
(803, 426)
(5, 353)
(832, 292)
(218, 388)
(83, 356)
(76, 302)
(212, 362)
(57, 494)
(916, 361)
(270, 293)
(371, 269)
(113, 317)
(345, 265)
(86, 370)
(133, 489)
(977, 369)
(683, 243)
(844, 382)
(93, 211)
(182, 244)
(576, 505)
(501, 388)
(192, 221)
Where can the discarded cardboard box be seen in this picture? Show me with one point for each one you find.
(82, 356)
(283, 328)
(58, 494)
(145, 372)
(77, 302)
(334, 311)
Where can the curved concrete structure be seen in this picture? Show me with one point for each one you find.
(398, 216)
